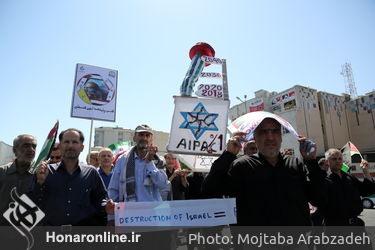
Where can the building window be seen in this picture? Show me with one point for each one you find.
(120, 136)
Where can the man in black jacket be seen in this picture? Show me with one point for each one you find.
(343, 203)
(270, 189)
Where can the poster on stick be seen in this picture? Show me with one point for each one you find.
(94, 93)
(198, 126)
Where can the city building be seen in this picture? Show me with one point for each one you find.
(105, 136)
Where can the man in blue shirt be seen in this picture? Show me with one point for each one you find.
(70, 192)
(137, 175)
(105, 165)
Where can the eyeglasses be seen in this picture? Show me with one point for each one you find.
(55, 157)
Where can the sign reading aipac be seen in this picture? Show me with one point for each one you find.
(198, 126)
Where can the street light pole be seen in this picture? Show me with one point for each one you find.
(244, 102)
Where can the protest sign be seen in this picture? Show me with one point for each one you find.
(94, 93)
(205, 212)
(198, 126)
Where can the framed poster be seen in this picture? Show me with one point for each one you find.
(199, 126)
(94, 93)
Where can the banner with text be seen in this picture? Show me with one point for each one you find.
(205, 212)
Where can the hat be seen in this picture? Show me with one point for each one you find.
(143, 128)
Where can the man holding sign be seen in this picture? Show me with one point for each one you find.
(271, 189)
(137, 175)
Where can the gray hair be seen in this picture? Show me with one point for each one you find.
(18, 139)
(331, 152)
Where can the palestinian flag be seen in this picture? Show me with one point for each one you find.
(47, 147)
(347, 152)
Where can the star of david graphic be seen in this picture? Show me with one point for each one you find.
(199, 121)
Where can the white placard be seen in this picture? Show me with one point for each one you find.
(94, 93)
(205, 212)
(198, 126)
(203, 163)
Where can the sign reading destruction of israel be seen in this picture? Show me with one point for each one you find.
(198, 126)
(205, 212)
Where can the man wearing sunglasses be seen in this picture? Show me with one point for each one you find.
(55, 156)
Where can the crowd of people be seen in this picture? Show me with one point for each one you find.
(71, 192)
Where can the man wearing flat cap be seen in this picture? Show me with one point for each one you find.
(137, 175)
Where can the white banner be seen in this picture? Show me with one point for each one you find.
(205, 212)
(198, 126)
(94, 93)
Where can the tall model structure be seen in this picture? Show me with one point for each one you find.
(347, 73)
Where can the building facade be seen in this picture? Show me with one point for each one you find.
(105, 136)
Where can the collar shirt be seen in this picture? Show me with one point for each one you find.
(145, 173)
(71, 199)
(105, 177)
(117, 185)
(10, 178)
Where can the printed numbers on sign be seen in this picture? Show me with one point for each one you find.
(210, 90)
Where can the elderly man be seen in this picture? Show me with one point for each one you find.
(270, 189)
(176, 177)
(93, 159)
(16, 174)
(137, 175)
(70, 192)
(105, 165)
(343, 203)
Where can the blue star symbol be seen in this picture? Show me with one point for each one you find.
(199, 120)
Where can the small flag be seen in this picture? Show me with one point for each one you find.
(345, 168)
(119, 148)
(47, 146)
(347, 152)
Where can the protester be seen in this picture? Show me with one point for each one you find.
(270, 189)
(105, 165)
(195, 180)
(343, 202)
(70, 193)
(250, 148)
(16, 173)
(176, 177)
(136, 176)
(55, 156)
(93, 159)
